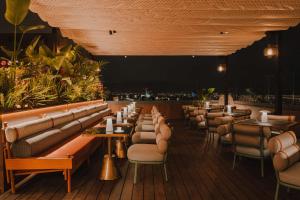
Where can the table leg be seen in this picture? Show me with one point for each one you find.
(120, 148)
(109, 170)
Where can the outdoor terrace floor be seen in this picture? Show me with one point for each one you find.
(194, 173)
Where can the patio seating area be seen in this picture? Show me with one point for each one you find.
(194, 173)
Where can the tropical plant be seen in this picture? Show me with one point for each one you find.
(39, 76)
(204, 94)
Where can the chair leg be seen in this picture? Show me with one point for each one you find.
(277, 191)
(12, 181)
(234, 160)
(69, 180)
(165, 170)
(135, 172)
(262, 167)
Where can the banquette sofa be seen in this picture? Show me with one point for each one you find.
(50, 140)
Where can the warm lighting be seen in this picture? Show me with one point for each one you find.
(221, 68)
(271, 51)
(264, 115)
(224, 32)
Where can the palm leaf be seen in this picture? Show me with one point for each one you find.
(25, 29)
(8, 53)
(16, 11)
(45, 51)
(30, 49)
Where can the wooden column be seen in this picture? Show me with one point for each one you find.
(279, 71)
(226, 91)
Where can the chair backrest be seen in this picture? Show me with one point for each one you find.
(210, 119)
(224, 129)
(223, 124)
(290, 118)
(250, 136)
(162, 138)
(285, 150)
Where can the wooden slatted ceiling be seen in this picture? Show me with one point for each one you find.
(167, 27)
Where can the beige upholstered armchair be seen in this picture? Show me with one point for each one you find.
(286, 157)
(212, 124)
(197, 117)
(151, 153)
(224, 129)
(250, 141)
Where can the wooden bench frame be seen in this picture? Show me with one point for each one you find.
(38, 165)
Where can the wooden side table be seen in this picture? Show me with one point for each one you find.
(109, 169)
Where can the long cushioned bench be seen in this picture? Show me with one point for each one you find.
(52, 143)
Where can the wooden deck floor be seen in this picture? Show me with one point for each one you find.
(194, 173)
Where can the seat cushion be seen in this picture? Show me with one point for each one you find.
(251, 151)
(36, 144)
(87, 121)
(79, 113)
(291, 175)
(147, 127)
(143, 137)
(146, 122)
(72, 147)
(71, 128)
(27, 129)
(62, 118)
(144, 153)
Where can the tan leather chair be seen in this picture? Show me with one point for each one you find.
(151, 153)
(212, 125)
(201, 119)
(195, 116)
(224, 129)
(250, 141)
(286, 157)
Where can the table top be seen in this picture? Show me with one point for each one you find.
(236, 114)
(100, 131)
(280, 124)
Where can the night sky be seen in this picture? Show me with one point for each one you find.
(248, 68)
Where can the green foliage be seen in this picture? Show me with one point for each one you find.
(204, 94)
(42, 77)
(48, 78)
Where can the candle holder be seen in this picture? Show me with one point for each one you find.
(119, 117)
(109, 126)
(125, 112)
(229, 110)
(264, 116)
